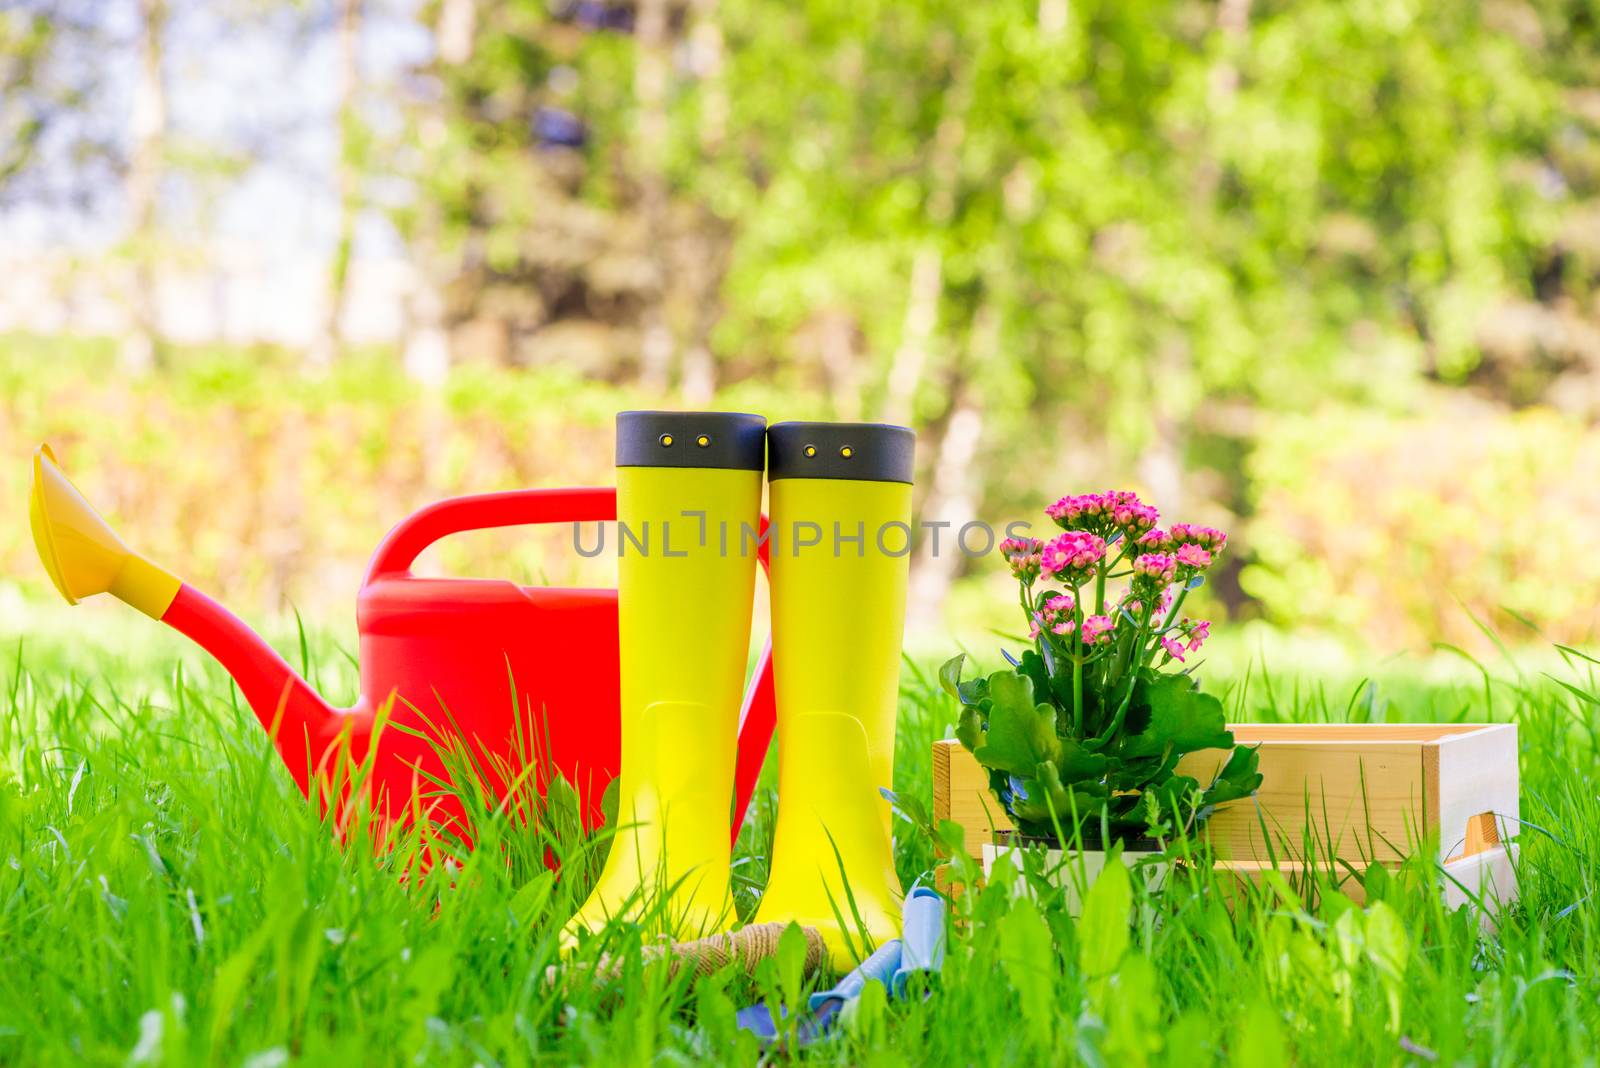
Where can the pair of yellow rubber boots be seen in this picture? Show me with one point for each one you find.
(688, 507)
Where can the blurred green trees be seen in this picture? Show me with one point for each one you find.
(1070, 241)
(1165, 243)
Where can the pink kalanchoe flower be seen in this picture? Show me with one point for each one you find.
(1055, 616)
(1196, 631)
(1131, 515)
(1072, 556)
(1152, 574)
(1082, 511)
(1173, 647)
(1192, 559)
(1154, 541)
(1022, 554)
(1208, 538)
(1104, 513)
(1097, 630)
(1157, 567)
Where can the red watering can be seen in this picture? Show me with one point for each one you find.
(526, 677)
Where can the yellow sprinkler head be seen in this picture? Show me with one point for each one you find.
(51, 497)
(81, 553)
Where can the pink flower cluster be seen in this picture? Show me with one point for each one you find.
(1072, 556)
(1155, 541)
(1104, 513)
(1097, 630)
(1070, 512)
(1192, 559)
(1192, 634)
(1161, 569)
(1056, 615)
(1102, 528)
(1208, 538)
(1023, 555)
(1132, 516)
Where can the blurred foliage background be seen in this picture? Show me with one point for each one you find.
(1321, 273)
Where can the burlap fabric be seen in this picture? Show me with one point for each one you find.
(745, 947)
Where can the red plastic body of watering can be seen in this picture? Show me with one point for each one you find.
(522, 681)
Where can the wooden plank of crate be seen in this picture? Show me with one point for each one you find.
(1364, 798)
(1250, 733)
(1490, 874)
(1360, 800)
(961, 793)
(1473, 790)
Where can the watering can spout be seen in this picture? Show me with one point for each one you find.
(80, 551)
(84, 556)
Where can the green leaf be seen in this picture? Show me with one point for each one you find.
(1174, 797)
(969, 729)
(1387, 941)
(1077, 763)
(1238, 778)
(1180, 717)
(974, 691)
(865, 1016)
(950, 675)
(1135, 774)
(1033, 667)
(1259, 1040)
(610, 802)
(1027, 957)
(1046, 794)
(791, 962)
(1022, 733)
(1132, 1009)
(528, 903)
(1103, 927)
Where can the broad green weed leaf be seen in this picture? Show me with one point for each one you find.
(1103, 927)
(792, 963)
(1388, 947)
(864, 1017)
(1131, 1008)
(1027, 956)
(1258, 1040)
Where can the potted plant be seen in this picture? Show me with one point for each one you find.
(1082, 736)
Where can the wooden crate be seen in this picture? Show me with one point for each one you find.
(1355, 792)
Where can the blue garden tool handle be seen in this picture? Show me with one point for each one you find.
(825, 1006)
(880, 966)
(922, 937)
(919, 949)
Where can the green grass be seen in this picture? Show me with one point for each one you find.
(167, 898)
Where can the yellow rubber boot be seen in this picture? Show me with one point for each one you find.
(840, 550)
(688, 508)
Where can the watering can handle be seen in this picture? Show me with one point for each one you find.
(515, 508)
(483, 511)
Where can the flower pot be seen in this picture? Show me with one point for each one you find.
(1074, 871)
